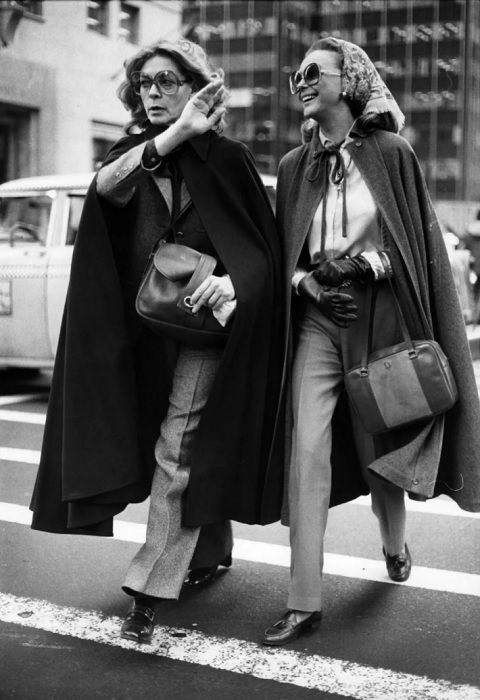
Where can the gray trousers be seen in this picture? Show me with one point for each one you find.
(160, 566)
(323, 349)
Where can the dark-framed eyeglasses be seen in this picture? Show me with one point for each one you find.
(311, 75)
(165, 81)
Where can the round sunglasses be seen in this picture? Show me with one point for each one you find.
(165, 81)
(311, 75)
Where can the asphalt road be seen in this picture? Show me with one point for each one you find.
(61, 604)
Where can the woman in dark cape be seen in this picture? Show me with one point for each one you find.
(127, 404)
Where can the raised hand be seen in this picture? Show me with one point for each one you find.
(204, 109)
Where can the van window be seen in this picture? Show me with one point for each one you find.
(74, 213)
(24, 220)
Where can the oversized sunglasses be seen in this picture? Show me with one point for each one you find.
(165, 81)
(311, 75)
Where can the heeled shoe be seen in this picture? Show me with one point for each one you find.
(287, 628)
(197, 578)
(398, 565)
(139, 623)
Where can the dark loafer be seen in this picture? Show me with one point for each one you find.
(398, 565)
(197, 578)
(138, 625)
(287, 628)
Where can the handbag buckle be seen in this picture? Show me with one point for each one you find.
(364, 372)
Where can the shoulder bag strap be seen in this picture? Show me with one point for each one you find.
(370, 301)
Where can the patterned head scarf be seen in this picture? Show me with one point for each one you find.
(362, 83)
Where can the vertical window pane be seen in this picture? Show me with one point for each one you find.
(128, 28)
(97, 16)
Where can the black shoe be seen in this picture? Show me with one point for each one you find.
(287, 628)
(197, 578)
(138, 624)
(398, 565)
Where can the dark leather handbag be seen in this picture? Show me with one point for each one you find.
(401, 384)
(163, 301)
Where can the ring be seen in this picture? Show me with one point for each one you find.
(188, 302)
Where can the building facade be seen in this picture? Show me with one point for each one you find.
(427, 51)
(61, 62)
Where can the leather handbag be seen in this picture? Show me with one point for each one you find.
(163, 302)
(401, 384)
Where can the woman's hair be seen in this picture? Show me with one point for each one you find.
(367, 122)
(197, 73)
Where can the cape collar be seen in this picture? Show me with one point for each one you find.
(318, 144)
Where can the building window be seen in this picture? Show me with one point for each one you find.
(97, 16)
(128, 29)
(32, 7)
(104, 135)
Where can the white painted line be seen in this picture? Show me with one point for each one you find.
(423, 577)
(435, 506)
(321, 673)
(365, 569)
(13, 513)
(14, 454)
(18, 398)
(22, 417)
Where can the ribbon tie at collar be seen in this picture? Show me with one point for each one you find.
(319, 166)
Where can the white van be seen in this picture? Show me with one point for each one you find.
(39, 219)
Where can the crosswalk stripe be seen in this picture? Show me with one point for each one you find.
(279, 555)
(22, 417)
(436, 506)
(321, 673)
(18, 398)
(15, 454)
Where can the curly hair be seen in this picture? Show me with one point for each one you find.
(197, 73)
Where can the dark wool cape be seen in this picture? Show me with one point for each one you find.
(112, 376)
(437, 456)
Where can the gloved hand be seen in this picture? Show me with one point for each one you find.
(339, 308)
(333, 272)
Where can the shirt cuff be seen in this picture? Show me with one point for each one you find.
(150, 157)
(376, 262)
(297, 276)
(224, 313)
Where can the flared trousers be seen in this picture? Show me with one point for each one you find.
(160, 566)
(323, 352)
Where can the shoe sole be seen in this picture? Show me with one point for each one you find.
(138, 640)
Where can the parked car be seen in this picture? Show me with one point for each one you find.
(39, 219)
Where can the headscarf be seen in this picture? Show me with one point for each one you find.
(362, 83)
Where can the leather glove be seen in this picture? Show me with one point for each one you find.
(339, 308)
(333, 272)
